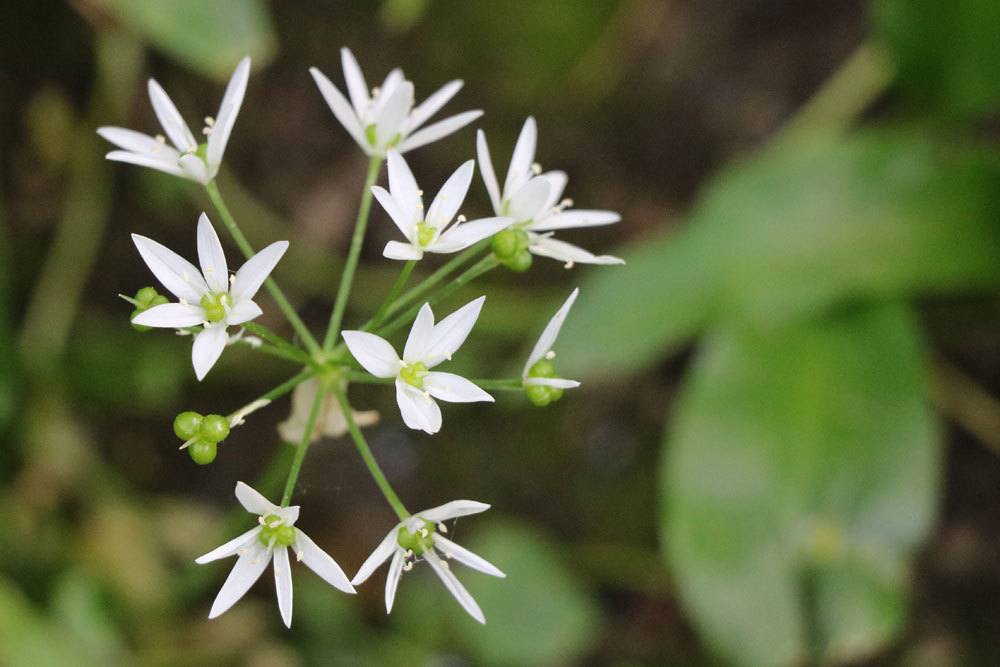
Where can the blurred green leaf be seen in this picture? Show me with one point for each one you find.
(82, 613)
(27, 638)
(791, 233)
(210, 37)
(799, 475)
(948, 53)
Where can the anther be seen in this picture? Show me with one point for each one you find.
(568, 265)
(536, 168)
(551, 354)
(443, 528)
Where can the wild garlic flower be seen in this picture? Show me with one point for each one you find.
(539, 374)
(386, 118)
(187, 157)
(209, 298)
(265, 543)
(427, 346)
(430, 231)
(421, 537)
(532, 198)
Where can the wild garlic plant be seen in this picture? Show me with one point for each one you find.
(216, 307)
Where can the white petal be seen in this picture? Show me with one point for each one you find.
(454, 586)
(452, 510)
(243, 311)
(418, 409)
(566, 252)
(486, 170)
(171, 316)
(230, 547)
(195, 168)
(374, 353)
(340, 107)
(403, 251)
(405, 224)
(137, 142)
(177, 274)
(171, 120)
(250, 565)
(147, 160)
(573, 219)
(451, 332)
(529, 200)
(454, 388)
(404, 188)
(207, 348)
(232, 100)
(549, 334)
(438, 130)
(451, 195)
(558, 383)
(382, 552)
(421, 335)
(211, 256)
(252, 501)
(255, 271)
(462, 235)
(557, 184)
(283, 584)
(357, 87)
(392, 579)
(321, 563)
(423, 111)
(465, 557)
(391, 117)
(519, 170)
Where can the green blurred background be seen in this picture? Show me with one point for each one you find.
(786, 448)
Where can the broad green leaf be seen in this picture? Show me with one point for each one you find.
(209, 37)
(791, 233)
(947, 53)
(800, 474)
(28, 638)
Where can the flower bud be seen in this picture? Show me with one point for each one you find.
(214, 428)
(187, 424)
(202, 452)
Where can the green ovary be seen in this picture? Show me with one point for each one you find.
(274, 531)
(216, 305)
(425, 234)
(419, 541)
(413, 374)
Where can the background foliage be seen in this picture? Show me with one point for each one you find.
(785, 448)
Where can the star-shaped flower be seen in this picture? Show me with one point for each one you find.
(209, 297)
(420, 538)
(269, 541)
(427, 346)
(539, 374)
(430, 231)
(530, 197)
(187, 157)
(387, 118)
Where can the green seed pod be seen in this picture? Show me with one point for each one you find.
(146, 295)
(555, 393)
(214, 428)
(202, 452)
(539, 394)
(158, 300)
(543, 368)
(505, 244)
(186, 424)
(520, 263)
(138, 327)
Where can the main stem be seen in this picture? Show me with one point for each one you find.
(347, 278)
(397, 287)
(300, 454)
(369, 459)
(276, 293)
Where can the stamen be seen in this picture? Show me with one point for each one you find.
(445, 565)
(568, 265)
(536, 168)
(550, 355)
(443, 528)
(461, 218)
(407, 566)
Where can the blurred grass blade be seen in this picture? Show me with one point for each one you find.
(209, 37)
(800, 474)
(791, 233)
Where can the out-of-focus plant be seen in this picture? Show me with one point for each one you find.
(800, 467)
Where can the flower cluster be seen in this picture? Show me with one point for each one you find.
(210, 299)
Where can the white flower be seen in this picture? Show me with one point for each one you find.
(270, 541)
(420, 537)
(530, 197)
(188, 157)
(387, 118)
(209, 297)
(429, 232)
(539, 370)
(427, 346)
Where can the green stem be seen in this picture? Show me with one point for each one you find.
(515, 384)
(397, 287)
(272, 351)
(279, 391)
(276, 292)
(370, 462)
(278, 342)
(430, 281)
(487, 263)
(347, 277)
(300, 454)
